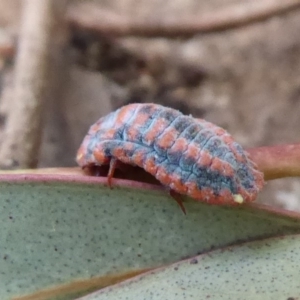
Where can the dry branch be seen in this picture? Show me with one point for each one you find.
(21, 143)
(91, 17)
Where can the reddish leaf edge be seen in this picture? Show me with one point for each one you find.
(76, 176)
(274, 161)
(85, 286)
(277, 161)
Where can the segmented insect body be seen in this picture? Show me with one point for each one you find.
(187, 155)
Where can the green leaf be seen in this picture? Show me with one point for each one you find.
(59, 230)
(260, 270)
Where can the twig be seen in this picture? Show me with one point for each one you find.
(22, 134)
(277, 161)
(91, 17)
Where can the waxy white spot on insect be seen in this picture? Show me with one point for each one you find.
(238, 198)
(79, 156)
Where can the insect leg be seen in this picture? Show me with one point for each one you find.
(112, 167)
(178, 199)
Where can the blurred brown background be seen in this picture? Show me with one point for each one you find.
(245, 79)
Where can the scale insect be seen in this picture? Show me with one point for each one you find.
(189, 156)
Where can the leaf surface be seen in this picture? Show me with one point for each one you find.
(260, 270)
(58, 230)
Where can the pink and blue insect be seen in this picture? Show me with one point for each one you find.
(187, 155)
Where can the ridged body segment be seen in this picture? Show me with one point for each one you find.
(190, 156)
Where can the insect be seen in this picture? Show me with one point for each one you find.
(187, 155)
